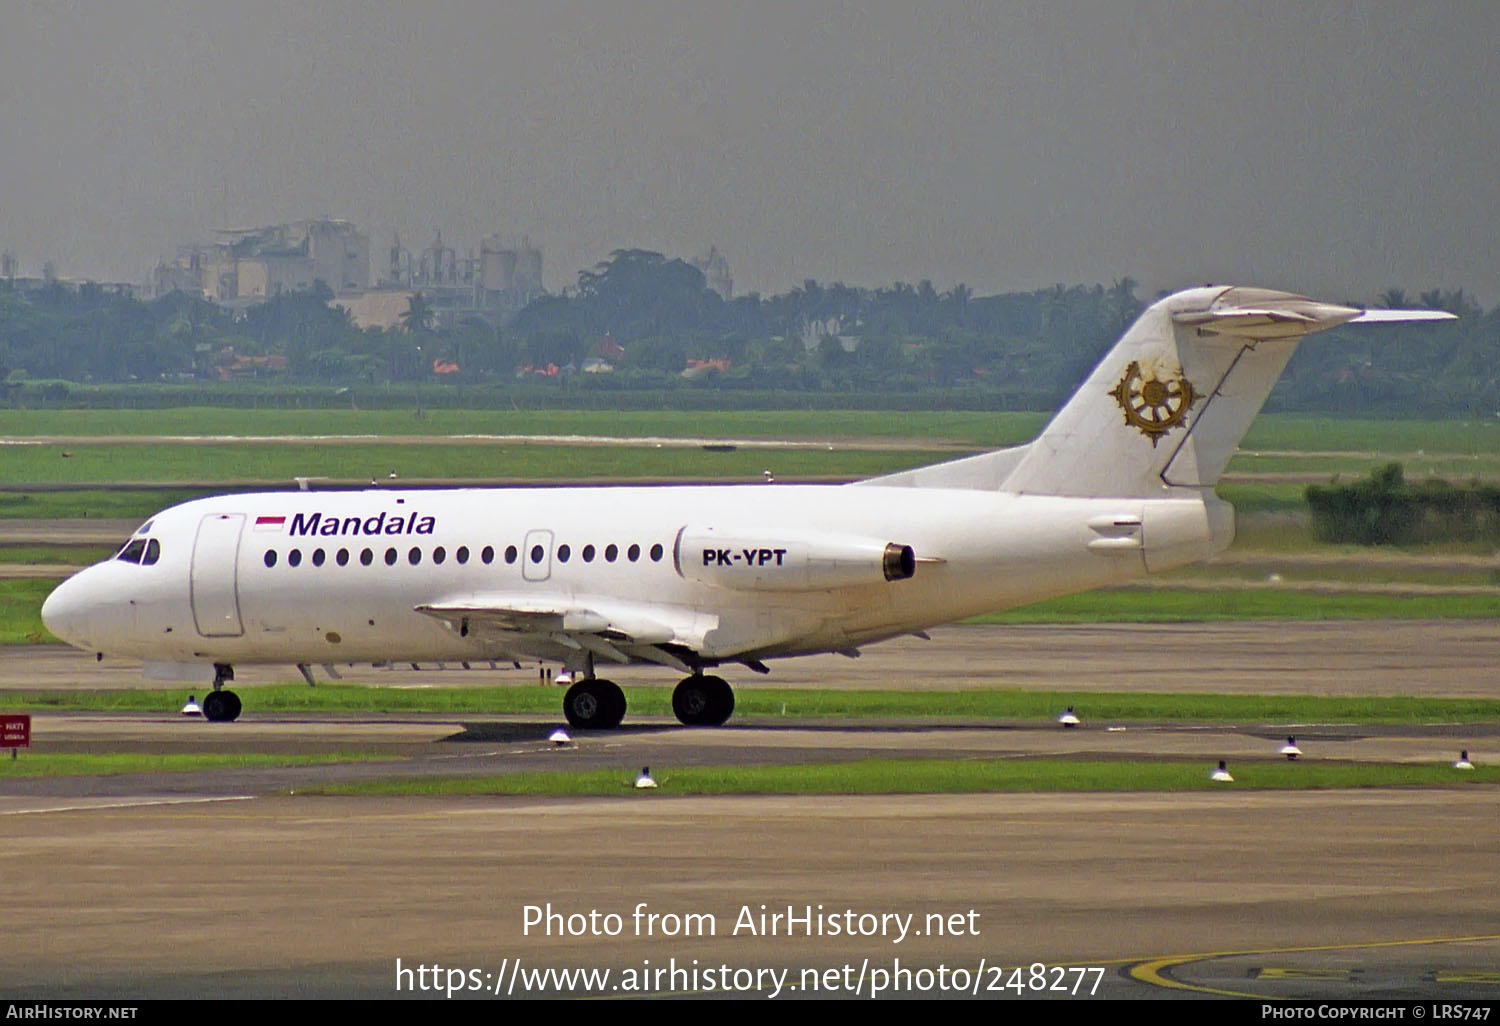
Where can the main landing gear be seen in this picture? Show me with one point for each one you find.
(596, 704)
(221, 706)
(703, 701)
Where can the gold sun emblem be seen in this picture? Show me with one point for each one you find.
(1151, 405)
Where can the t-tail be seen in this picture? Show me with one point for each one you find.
(1164, 411)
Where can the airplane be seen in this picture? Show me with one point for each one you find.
(1120, 485)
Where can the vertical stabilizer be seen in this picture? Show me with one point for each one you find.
(1168, 405)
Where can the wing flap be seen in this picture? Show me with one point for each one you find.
(608, 620)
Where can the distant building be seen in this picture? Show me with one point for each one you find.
(12, 278)
(229, 365)
(699, 368)
(376, 308)
(492, 286)
(716, 270)
(251, 265)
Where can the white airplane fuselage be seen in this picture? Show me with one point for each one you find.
(211, 598)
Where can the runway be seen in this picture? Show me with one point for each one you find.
(288, 896)
(227, 883)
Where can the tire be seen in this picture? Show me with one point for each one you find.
(221, 707)
(594, 705)
(703, 701)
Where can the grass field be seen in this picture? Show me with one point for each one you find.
(1280, 431)
(771, 703)
(921, 776)
(1327, 465)
(1277, 432)
(58, 764)
(53, 555)
(278, 464)
(1167, 605)
(21, 611)
(97, 503)
(980, 429)
(1322, 447)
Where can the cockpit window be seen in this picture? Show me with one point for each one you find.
(145, 528)
(133, 551)
(141, 551)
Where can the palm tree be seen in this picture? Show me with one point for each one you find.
(419, 315)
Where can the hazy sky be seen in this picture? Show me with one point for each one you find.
(1335, 147)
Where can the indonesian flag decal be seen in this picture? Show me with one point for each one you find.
(270, 523)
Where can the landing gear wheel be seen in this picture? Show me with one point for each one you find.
(594, 704)
(221, 706)
(701, 701)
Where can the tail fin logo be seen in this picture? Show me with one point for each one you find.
(1153, 406)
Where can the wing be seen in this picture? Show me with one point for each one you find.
(611, 629)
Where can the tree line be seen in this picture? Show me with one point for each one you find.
(642, 321)
(1386, 509)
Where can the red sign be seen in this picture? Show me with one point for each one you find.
(15, 731)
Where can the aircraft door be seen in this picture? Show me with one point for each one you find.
(536, 557)
(214, 581)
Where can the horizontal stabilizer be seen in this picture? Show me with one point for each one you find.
(1397, 316)
(1260, 314)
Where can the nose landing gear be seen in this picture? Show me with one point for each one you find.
(220, 706)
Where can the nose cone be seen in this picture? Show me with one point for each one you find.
(65, 612)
